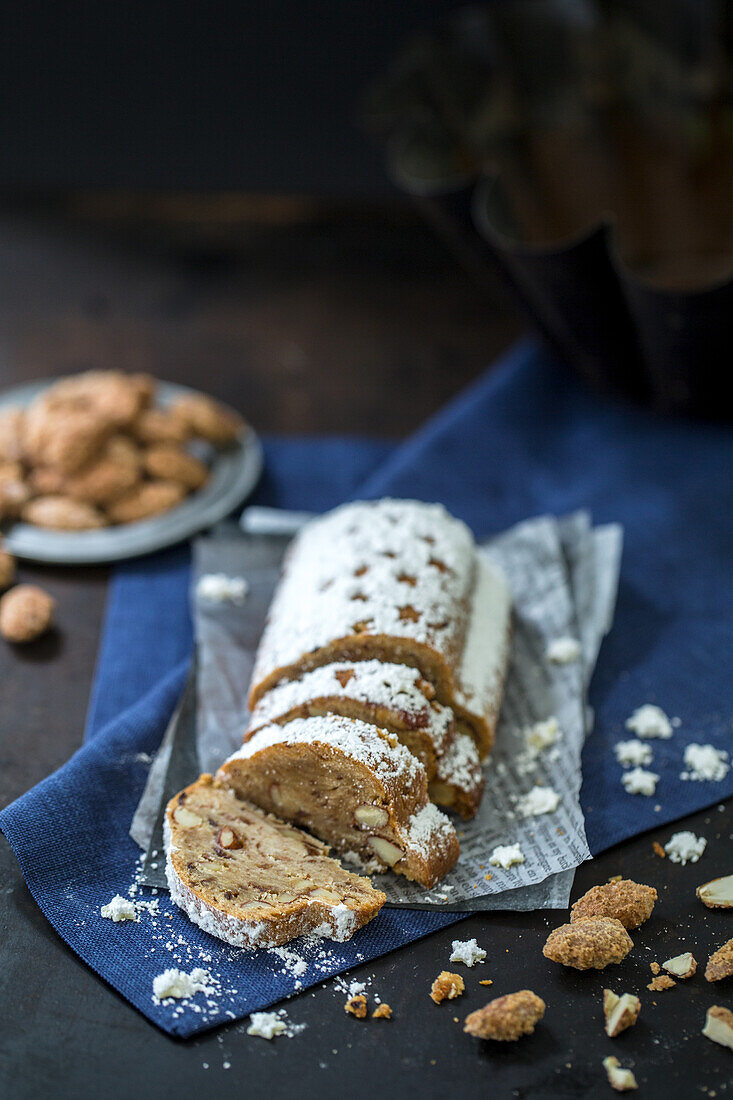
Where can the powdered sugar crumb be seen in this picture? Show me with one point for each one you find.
(685, 847)
(538, 801)
(705, 763)
(266, 1025)
(649, 721)
(639, 781)
(219, 588)
(467, 951)
(633, 753)
(177, 984)
(505, 856)
(119, 909)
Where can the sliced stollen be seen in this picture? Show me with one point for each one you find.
(459, 781)
(353, 785)
(397, 581)
(393, 697)
(254, 881)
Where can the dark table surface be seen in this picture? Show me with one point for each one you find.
(310, 324)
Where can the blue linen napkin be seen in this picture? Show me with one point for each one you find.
(524, 439)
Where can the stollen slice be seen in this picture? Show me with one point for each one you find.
(354, 786)
(252, 880)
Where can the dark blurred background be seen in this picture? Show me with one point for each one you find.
(351, 209)
(190, 187)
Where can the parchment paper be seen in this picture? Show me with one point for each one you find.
(563, 575)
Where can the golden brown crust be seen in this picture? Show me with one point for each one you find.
(61, 513)
(171, 463)
(446, 987)
(720, 963)
(26, 612)
(507, 1018)
(589, 943)
(148, 499)
(627, 901)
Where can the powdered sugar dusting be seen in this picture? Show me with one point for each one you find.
(397, 688)
(401, 568)
(705, 763)
(395, 766)
(427, 829)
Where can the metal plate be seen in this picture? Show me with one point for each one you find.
(234, 474)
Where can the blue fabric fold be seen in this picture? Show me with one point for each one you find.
(524, 439)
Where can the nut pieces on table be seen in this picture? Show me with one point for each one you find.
(629, 902)
(507, 1018)
(589, 943)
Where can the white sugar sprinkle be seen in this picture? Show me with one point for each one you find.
(178, 984)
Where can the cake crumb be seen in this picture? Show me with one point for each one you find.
(659, 850)
(357, 1006)
(446, 987)
(219, 588)
(655, 967)
(486, 981)
(720, 963)
(662, 981)
(382, 1012)
(173, 983)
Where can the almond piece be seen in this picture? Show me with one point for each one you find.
(186, 818)
(630, 902)
(372, 817)
(719, 1026)
(718, 893)
(681, 966)
(620, 1079)
(620, 1012)
(228, 838)
(386, 851)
